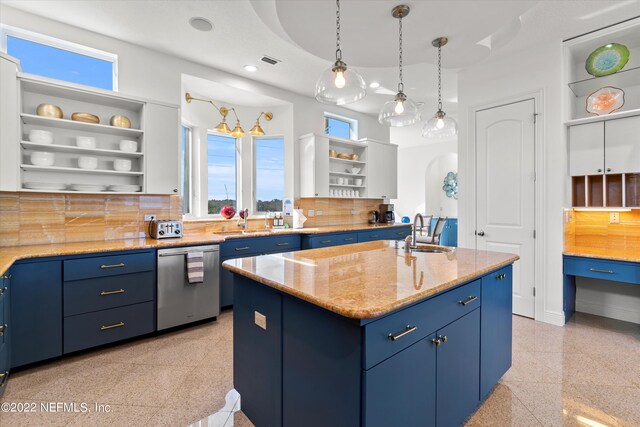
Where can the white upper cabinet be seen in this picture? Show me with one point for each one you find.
(622, 145)
(382, 163)
(586, 149)
(162, 140)
(314, 166)
(9, 126)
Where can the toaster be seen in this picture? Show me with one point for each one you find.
(165, 228)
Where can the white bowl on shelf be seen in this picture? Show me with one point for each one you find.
(128, 146)
(354, 171)
(41, 136)
(358, 181)
(86, 141)
(87, 162)
(122, 165)
(42, 158)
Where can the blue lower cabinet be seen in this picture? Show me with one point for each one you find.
(458, 369)
(107, 326)
(259, 351)
(384, 233)
(36, 308)
(401, 391)
(5, 333)
(325, 240)
(449, 236)
(496, 328)
(226, 282)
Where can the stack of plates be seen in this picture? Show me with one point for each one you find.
(47, 186)
(124, 188)
(87, 187)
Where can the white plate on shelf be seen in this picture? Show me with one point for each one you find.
(87, 187)
(125, 188)
(51, 186)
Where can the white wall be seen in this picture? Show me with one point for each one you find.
(610, 299)
(538, 71)
(150, 74)
(423, 164)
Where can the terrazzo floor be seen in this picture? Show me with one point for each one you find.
(584, 374)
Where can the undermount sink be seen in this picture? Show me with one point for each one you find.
(431, 250)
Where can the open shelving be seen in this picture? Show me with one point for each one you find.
(602, 191)
(79, 150)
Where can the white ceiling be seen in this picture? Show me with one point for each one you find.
(224, 94)
(301, 33)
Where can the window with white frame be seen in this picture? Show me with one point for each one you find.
(268, 174)
(59, 59)
(222, 180)
(185, 170)
(339, 126)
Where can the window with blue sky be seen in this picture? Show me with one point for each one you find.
(221, 165)
(269, 174)
(46, 60)
(336, 127)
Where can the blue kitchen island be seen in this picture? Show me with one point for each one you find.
(370, 335)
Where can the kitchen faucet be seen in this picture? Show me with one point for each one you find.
(243, 222)
(408, 243)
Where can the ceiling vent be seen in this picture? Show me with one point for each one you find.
(270, 60)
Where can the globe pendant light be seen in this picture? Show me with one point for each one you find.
(440, 126)
(401, 111)
(340, 85)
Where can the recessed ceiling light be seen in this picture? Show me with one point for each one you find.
(201, 24)
(250, 68)
(374, 85)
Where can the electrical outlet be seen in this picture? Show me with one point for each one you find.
(614, 217)
(311, 213)
(354, 212)
(318, 213)
(149, 217)
(260, 320)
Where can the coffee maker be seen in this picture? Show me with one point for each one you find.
(386, 213)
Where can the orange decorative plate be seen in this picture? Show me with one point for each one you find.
(605, 100)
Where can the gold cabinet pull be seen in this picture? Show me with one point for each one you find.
(2, 329)
(3, 290)
(282, 244)
(117, 325)
(112, 265)
(469, 300)
(348, 239)
(244, 248)
(6, 276)
(119, 291)
(597, 270)
(399, 335)
(325, 241)
(436, 341)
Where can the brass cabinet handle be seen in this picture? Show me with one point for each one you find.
(2, 329)
(469, 300)
(400, 233)
(501, 276)
(119, 291)
(346, 239)
(436, 341)
(6, 276)
(112, 265)
(325, 241)
(3, 290)
(282, 244)
(374, 236)
(597, 270)
(117, 325)
(243, 248)
(399, 335)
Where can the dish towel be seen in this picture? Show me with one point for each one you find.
(195, 267)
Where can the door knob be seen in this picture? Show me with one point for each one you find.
(599, 170)
(480, 233)
(608, 169)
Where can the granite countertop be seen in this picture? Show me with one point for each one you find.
(10, 254)
(367, 280)
(623, 254)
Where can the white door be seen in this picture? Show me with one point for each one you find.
(586, 149)
(505, 166)
(622, 145)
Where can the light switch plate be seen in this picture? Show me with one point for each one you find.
(614, 217)
(318, 213)
(311, 212)
(260, 319)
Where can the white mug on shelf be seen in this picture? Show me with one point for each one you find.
(332, 192)
(357, 193)
(358, 181)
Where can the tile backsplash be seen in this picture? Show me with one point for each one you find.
(35, 218)
(337, 211)
(592, 229)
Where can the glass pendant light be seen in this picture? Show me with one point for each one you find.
(340, 85)
(401, 111)
(440, 126)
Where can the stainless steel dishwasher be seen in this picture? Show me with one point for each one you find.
(179, 301)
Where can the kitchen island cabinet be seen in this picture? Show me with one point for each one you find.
(340, 335)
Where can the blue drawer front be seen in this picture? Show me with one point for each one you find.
(618, 271)
(386, 233)
(427, 317)
(240, 247)
(397, 233)
(101, 293)
(86, 268)
(106, 326)
(325, 240)
(275, 244)
(370, 236)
